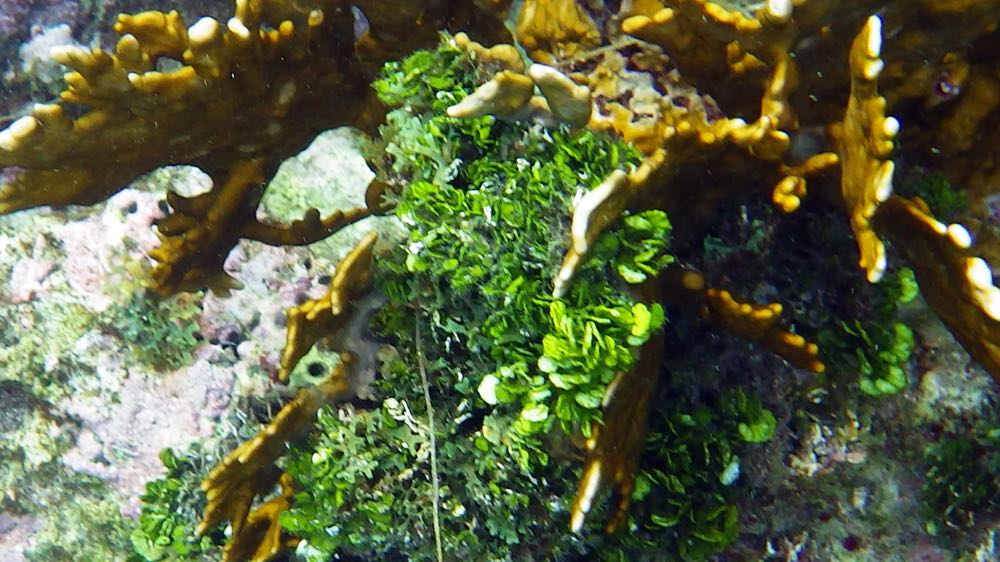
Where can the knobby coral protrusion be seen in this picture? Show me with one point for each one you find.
(864, 143)
(568, 101)
(789, 192)
(555, 29)
(759, 323)
(505, 96)
(510, 95)
(321, 318)
(957, 285)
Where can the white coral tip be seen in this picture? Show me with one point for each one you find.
(874, 47)
(890, 127)
(977, 271)
(780, 10)
(588, 490)
(959, 235)
(238, 28)
(204, 30)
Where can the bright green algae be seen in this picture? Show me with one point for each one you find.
(515, 375)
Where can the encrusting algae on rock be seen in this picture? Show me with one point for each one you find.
(718, 102)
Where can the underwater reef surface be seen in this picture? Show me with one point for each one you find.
(97, 380)
(324, 281)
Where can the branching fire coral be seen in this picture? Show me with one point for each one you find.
(247, 95)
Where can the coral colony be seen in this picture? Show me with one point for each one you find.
(551, 162)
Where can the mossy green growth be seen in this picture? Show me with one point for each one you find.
(877, 348)
(963, 479)
(70, 515)
(352, 476)
(159, 333)
(684, 500)
(488, 218)
(944, 201)
(28, 356)
(514, 373)
(366, 489)
(172, 507)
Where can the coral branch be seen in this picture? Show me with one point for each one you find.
(864, 142)
(753, 322)
(199, 234)
(957, 285)
(249, 471)
(262, 537)
(320, 318)
(614, 449)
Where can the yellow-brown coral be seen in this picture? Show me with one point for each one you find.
(249, 471)
(553, 29)
(712, 44)
(613, 451)
(262, 538)
(597, 209)
(958, 285)
(320, 318)
(228, 109)
(759, 323)
(247, 95)
(254, 91)
(864, 142)
(504, 96)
